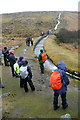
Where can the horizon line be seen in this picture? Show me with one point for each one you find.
(39, 11)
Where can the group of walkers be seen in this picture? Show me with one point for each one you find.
(20, 68)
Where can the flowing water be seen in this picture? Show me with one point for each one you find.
(48, 63)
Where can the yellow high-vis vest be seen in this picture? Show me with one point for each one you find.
(16, 68)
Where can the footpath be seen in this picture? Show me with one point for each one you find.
(37, 104)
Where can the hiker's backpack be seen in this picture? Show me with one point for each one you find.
(55, 81)
(44, 57)
(23, 72)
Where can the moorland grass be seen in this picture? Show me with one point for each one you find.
(60, 53)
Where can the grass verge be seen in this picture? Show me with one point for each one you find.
(60, 53)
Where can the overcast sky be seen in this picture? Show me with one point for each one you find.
(11, 6)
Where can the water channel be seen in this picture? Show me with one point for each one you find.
(48, 63)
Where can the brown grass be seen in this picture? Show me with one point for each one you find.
(72, 21)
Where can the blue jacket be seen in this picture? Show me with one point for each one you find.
(65, 80)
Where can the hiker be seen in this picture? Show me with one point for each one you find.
(31, 40)
(20, 61)
(28, 41)
(12, 61)
(59, 82)
(26, 75)
(42, 58)
(16, 69)
(1, 57)
(5, 52)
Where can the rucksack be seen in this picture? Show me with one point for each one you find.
(44, 57)
(23, 72)
(55, 81)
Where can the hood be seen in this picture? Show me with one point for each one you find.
(62, 65)
(24, 63)
(20, 58)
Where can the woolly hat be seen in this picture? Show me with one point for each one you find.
(41, 50)
(20, 58)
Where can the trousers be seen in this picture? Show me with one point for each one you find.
(42, 67)
(63, 98)
(25, 83)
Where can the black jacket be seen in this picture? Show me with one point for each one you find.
(12, 60)
(29, 71)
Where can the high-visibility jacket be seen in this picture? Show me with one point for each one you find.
(16, 68)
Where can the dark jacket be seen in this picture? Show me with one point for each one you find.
(5, 53)
(29, 71)
(65, 80)
(12, 60)
(40, 58)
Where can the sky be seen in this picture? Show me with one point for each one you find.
(11, 6)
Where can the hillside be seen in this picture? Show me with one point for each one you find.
(20, 25)
(27, 23)
(69, 21)
(16, 26)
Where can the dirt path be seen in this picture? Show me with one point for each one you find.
(36, 104)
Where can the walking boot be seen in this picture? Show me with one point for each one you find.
(56, 107)
(65, 106)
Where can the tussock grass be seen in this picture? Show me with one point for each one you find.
(60, 53)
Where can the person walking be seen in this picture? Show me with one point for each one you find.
(26, 76)
(31, 40)
(5, 52)
(42, 58)
(28, 41)
(12, 61)
(59, 82)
